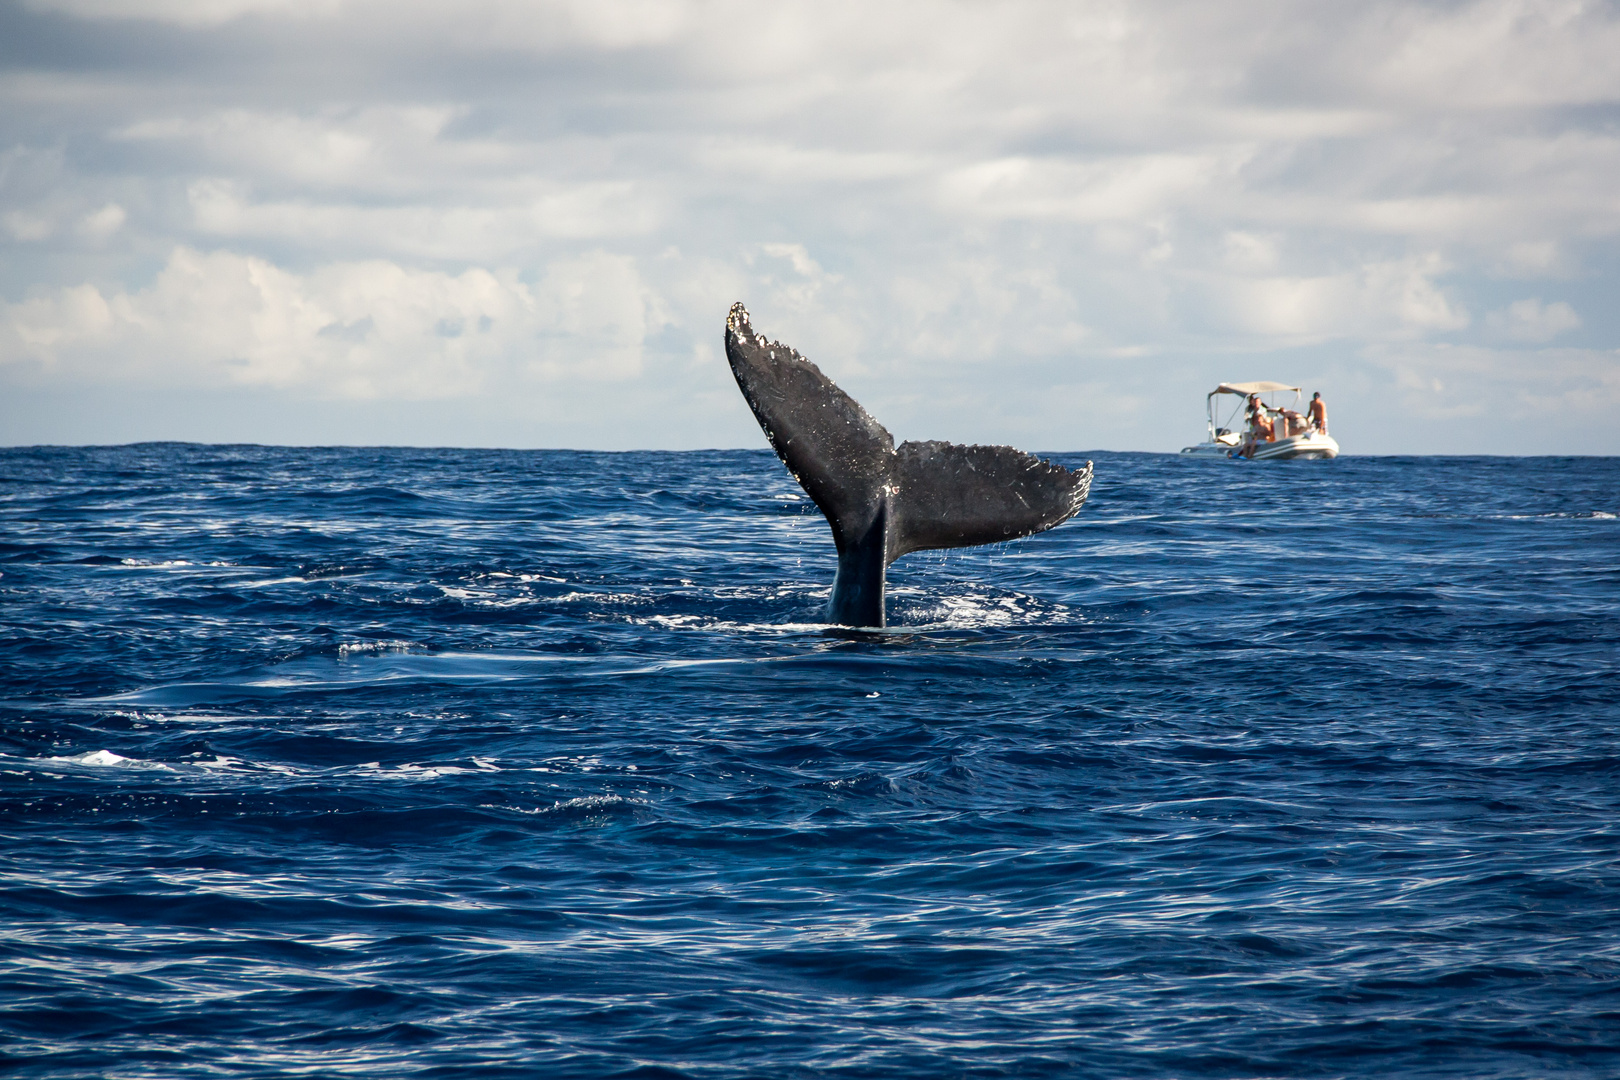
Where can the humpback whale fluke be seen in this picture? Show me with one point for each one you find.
(881, 501)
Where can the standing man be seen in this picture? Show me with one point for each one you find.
(1317, 410)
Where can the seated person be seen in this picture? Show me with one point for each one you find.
(1260, 420)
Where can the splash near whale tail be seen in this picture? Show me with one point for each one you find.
(884, 501)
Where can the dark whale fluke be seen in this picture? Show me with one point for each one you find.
(883, 502)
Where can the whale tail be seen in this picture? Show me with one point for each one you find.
(883, 501)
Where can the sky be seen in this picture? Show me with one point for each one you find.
(1054, 225)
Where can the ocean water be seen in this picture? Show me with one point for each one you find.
(451, 763)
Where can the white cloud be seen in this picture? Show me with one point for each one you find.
(101, 224)
(189, 12)
(592, 315)
(783, 163)
(1119, 189)
(1531, 320)
(1570, 394)
(444, 231)
(348, 330)
(1533, 258)
(1504, 53)
(1247, 252)
(26, 226)
(379, 150)
(1383, 299)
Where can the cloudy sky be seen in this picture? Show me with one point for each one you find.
(1058, 225)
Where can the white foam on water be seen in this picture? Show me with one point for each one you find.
(349, 648)
(965, 612)
(710, 624)
(852, 783)
(104, 759)
(226, 763)
(424, 772)
(596, 802)
(920, 611)
(606, 598)
(411, 771)
(465, 594)
(581, 802)
(219, 763)
(99, 757)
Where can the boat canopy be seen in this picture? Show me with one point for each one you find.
(1244, 388)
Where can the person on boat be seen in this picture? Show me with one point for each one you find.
(1260, 427)
(1260, 420)
(1317, 411)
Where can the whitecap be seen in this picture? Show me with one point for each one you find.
(465, 594)
(604, 598)
(106, 759)
(98, 757)
(581, 803)
(226, 763)
(412, 771)
(348, 648)
(423, 772)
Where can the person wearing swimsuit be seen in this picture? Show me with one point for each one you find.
(1260, 419)
(1260, 426)
(1317, 411)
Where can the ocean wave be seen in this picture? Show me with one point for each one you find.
(581, 806)
(104, 759)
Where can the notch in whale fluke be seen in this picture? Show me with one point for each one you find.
(883, 501)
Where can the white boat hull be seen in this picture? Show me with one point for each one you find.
(1312, 444)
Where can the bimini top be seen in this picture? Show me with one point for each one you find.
(1251, 388)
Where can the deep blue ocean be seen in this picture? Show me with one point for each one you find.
(462, 763)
